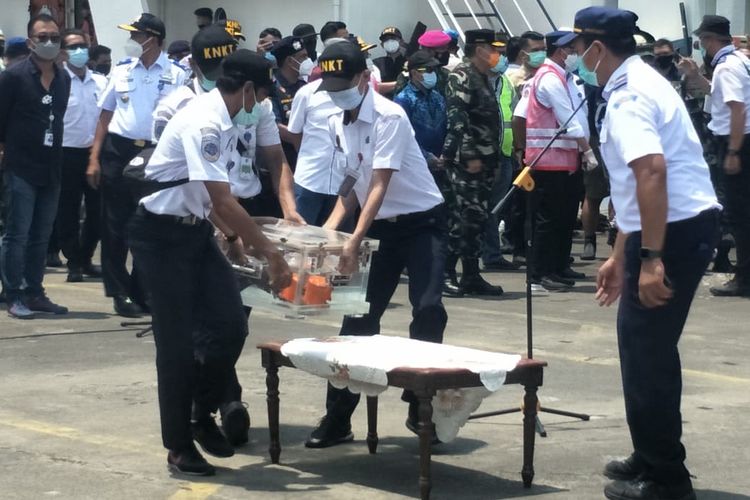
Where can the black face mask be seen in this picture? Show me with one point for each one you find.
(104, 69)
(443, 58)
(664, 61)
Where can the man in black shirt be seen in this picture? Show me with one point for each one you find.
(33, 99)
(392, 64)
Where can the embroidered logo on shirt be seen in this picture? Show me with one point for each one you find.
(210, 142)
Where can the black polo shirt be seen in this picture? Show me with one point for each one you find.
(390, 67)
(25, 109)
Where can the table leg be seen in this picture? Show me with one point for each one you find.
(272, 399)
(372, 424)
(530, 403)
(426, 432)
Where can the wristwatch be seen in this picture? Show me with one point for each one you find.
(649, 254)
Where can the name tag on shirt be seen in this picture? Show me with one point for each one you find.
(49, 138)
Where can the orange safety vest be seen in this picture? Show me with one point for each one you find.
(541, 125)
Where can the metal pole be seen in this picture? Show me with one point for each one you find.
(546, 14)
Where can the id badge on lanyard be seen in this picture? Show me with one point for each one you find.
(49, 136)
(341, 164)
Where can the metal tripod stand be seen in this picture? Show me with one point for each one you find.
(525, 181)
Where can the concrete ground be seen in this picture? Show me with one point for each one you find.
(79, 420)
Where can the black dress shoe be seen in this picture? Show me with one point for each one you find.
(451, 288)
(74, 276)
(53, 259)
(92, 270)
(235, 422)
(624, 470)
(732, 288)
(501, 265)
(189, 461)
(126, 308)
(571, 275)
(329, 433)
(565, 281)
(552, 285)
(207, 434)
(640, 489)
(476, 285)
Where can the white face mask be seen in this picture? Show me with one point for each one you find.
(347, 99)
(571, 63)
(306, 67)
(391, 46)
(133, 49)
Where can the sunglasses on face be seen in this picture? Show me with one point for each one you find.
(77, 46)
(46, 37)
(426, 70)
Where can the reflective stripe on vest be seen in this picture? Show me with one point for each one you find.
(541, 126)
(505, 101)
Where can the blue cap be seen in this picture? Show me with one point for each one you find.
(554, 37)
(602, 21)
(453, 34)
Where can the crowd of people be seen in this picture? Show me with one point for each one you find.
(413, 148)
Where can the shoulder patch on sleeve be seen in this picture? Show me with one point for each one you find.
(624, 100)
(210, 144)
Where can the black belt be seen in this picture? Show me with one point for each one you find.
(415, 215)
(139, 143)
(187, 220)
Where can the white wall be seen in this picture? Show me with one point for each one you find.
(14, 17)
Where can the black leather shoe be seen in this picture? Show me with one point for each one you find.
(519, 260)
(552, 285)
(476, 285)
(501, 265)
(53, 259)
(570, 274)
(189, 461)
(624, 470)
(732, 288)
(560, 279)
(649, 490)
(235, 422)
(126, 308)
(329, 433)
(451, 288)
(208, 435)
(92, 271)
(74, 276)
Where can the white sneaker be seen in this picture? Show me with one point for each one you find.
(19, 310)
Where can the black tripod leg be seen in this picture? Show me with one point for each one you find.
(579, 416)
(540, 428)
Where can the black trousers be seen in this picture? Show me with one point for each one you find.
(737, 192)
(77, 241)
(555, 204)
(417, 242)
(118, 205)
(648, 338)
(192, 287)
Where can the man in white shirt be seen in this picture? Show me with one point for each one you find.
(553, 98)
(191, 284)
(316, 181)
(135, 88)
(667, 214)
(78, 243)
(730, 124)
(401, 206)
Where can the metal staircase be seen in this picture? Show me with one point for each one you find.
(506, 16)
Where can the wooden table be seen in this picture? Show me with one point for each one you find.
(424, 382)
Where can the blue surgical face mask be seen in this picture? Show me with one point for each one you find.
(588, 75)
(206, 84)
(536, 58)
(271, 58)
(247, 119)
(78, 57)
(429, 80)
(501, 66)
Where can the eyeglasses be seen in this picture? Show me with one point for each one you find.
(425, 70)
(45, 37)
(77, 46)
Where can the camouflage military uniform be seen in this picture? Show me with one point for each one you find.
(473, 133)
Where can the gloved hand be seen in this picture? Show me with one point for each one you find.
(589, 160)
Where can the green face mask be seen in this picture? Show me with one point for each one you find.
(536, 58)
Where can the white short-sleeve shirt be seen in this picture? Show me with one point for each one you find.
(731, 83)
(383, 138)
(646, 116)
(244, 177)
(199, 142)
(563, 99)
(83, 110)
(309, 116)
(134, 92)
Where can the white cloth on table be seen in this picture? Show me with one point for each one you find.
(362, 364)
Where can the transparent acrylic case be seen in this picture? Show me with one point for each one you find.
(312, 254)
